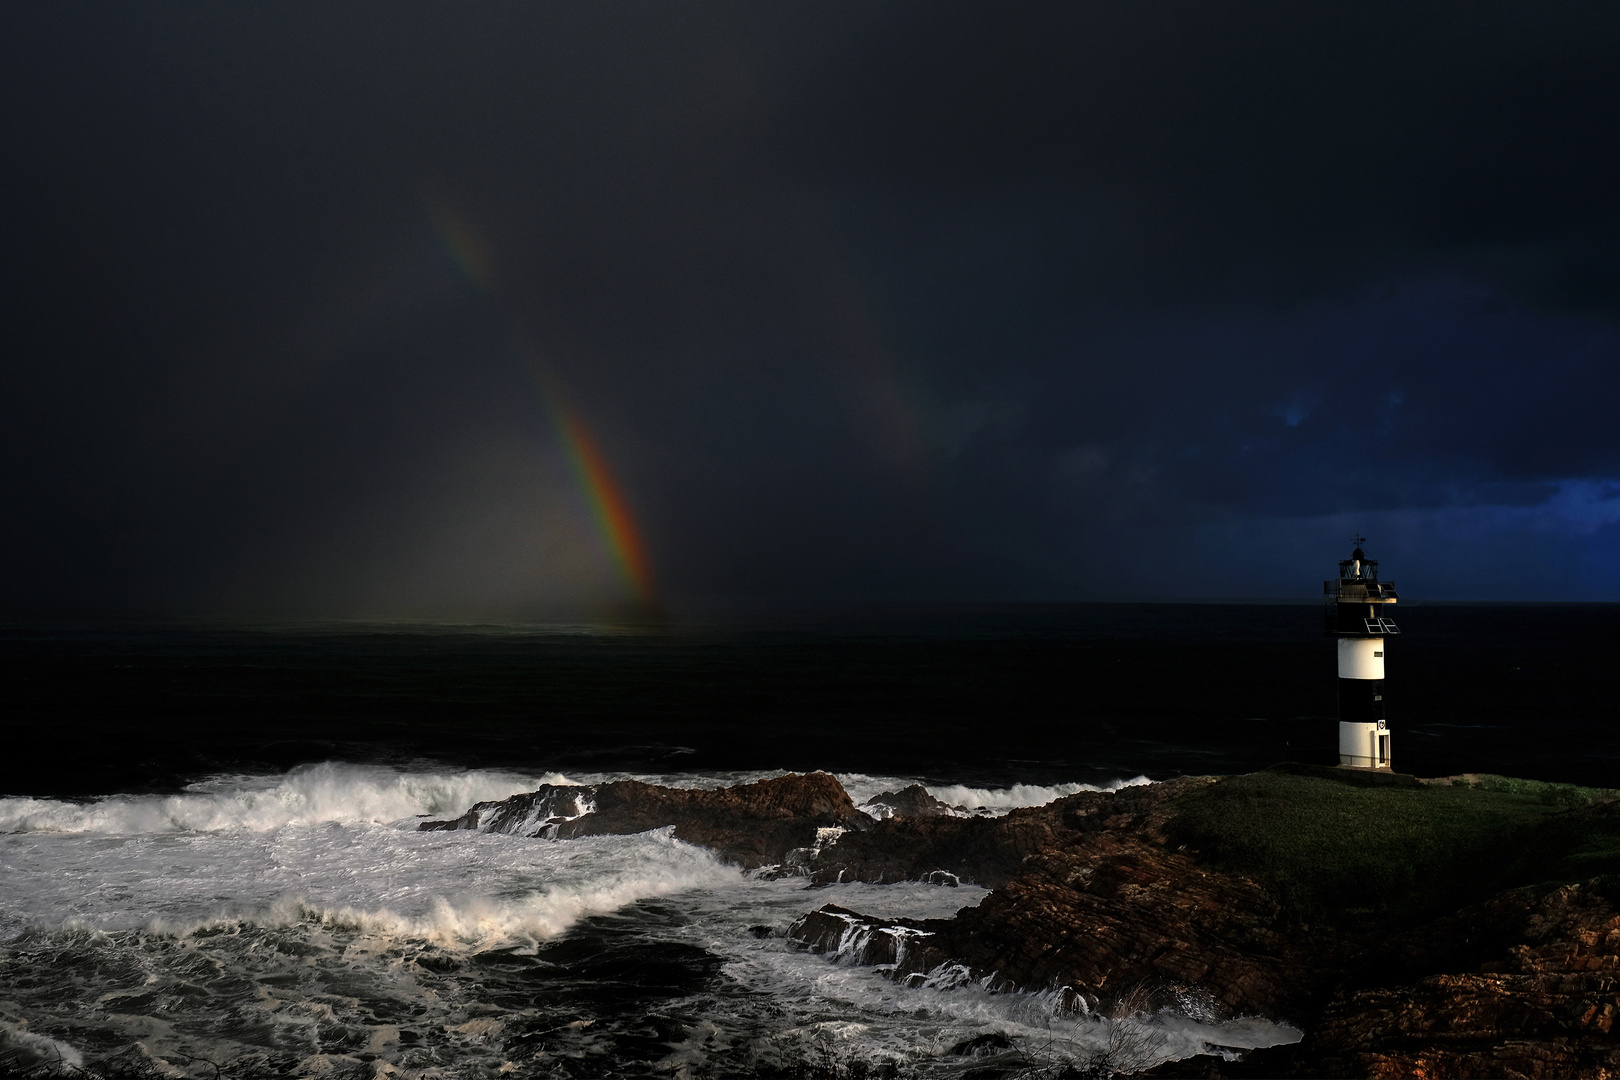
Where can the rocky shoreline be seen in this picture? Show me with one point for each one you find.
(1101, 893)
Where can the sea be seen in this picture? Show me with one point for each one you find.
(210, 863)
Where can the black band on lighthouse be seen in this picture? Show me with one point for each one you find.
(1361, 701)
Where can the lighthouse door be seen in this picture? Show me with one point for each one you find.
(1383, 750)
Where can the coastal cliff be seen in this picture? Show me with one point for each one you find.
(1459, 928)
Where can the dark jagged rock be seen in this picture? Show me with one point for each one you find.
(1090, 894)
(765, 823)
(1525, 983)
(1101, 915)
(988, 1043)
(1086, 895)
(860, 939)
(1110, 911)
(534, 813)
(914, 801)
(988, 851)
(1521, 985)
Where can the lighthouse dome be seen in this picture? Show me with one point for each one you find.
(1357, 554)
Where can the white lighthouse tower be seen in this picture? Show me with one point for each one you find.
(1356, 606)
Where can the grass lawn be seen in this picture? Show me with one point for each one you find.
(1338, 845)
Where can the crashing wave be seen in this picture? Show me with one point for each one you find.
(310, 794)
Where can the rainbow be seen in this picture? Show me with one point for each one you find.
(606, 499)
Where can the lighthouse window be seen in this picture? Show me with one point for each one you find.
(1378, 652)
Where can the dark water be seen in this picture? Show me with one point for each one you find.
(987, 694)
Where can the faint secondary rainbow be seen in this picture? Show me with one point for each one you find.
(602, 492)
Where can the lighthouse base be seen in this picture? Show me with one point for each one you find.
(1363, 746)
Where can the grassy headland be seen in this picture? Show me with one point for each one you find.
(1342, 846)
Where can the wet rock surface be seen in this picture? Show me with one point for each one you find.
(1090, 894)
(1103, 918)
(913, 801)
(766, 823)
(1109, 912)
(862, 939)
(988, 851)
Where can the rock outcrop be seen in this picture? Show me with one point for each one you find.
(1526, 983)
(913, 801)
(1103, 914)
(1086, 895)
(770, 822)
(848, 935)
(989, 850)
(1090, 894)
(1110, 912)
(1522, 985)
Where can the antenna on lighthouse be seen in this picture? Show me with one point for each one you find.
(1356, 615)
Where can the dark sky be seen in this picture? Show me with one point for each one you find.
(313, 308)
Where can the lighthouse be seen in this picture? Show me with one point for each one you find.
(1357, 606)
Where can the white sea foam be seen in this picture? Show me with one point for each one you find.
(309, 794)
(702, 781)
(596, 876)
(456, 889)
(864, 786)
(882, 1020)
(288, 913)
(1001, 800)
(26, 1051)
(974, 800)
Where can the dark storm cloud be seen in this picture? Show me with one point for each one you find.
(863, 300)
